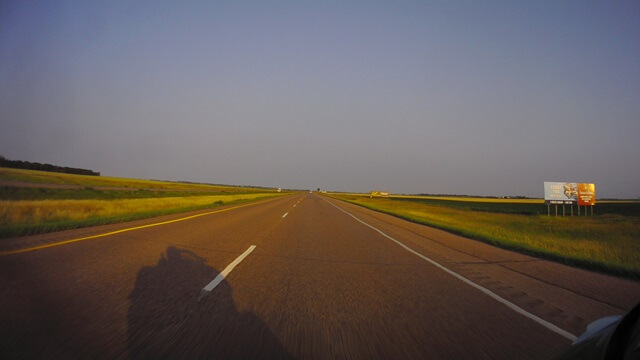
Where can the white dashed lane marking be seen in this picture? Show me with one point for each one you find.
(218, 279)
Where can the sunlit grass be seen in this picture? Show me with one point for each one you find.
(46, 177)
(513, 206)
(473, 199)
(96, 200)
(35, 216)
(608, 243)
(43, 193)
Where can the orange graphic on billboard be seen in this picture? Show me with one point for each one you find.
(586, 194)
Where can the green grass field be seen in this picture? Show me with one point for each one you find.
(89, 193)
(609, 242)
(44, 177)
(96, 201)
(521, 206)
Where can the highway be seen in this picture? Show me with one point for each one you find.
(301, 276)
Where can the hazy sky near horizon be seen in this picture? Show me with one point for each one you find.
(464, 97)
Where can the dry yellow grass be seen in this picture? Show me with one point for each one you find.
(45, 177)
(97, 200)
(45, 211)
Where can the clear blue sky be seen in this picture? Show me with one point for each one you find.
(409, 97)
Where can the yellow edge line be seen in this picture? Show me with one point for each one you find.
(19, 251)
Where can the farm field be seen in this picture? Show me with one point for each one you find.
(606, 242)
(62, 180)
(522, 206)
(34, 202)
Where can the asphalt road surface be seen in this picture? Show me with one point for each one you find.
(302, 276)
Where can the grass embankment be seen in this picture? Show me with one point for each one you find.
(607, 243)
(18, 218)
(32, 210)
(48, 178)
(33, 193)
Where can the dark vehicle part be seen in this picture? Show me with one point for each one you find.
(609, 338)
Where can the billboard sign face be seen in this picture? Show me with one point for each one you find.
(586, 194)
(560, 192)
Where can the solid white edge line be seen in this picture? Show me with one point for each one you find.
(218, 279)
(493, 295)
(285, 215)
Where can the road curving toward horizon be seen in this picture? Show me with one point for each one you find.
(300, 276)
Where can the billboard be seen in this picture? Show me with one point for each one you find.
(569, 193)
(586, 194)
(560, 192)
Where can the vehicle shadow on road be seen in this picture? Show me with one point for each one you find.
(168, 317)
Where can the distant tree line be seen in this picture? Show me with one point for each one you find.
(17, 164)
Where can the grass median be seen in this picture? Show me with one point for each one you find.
(606, 243)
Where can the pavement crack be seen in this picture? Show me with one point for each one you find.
(565, 288)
